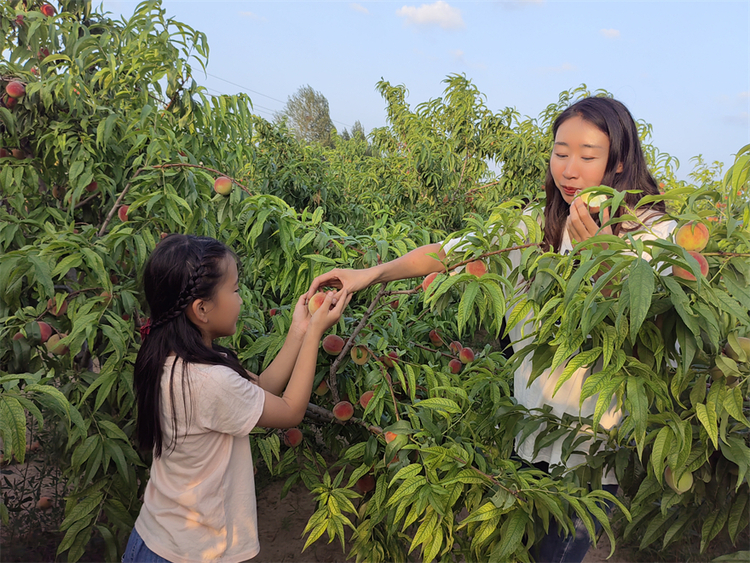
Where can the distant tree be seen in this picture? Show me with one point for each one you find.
(358, 132)
(306, 114)
(345, 135)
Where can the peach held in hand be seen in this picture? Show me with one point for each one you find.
(315, 302)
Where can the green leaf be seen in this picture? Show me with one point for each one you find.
(641, 285)
(712, 526)
(707, 416)
(511, 532)
(13, 427)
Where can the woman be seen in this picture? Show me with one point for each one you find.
(595, 143)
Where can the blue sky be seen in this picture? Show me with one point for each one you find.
(684, 67)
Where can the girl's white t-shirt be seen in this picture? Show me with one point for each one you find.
(540, 392)
(199, 503)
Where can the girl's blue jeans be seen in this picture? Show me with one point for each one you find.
(554, 548)
(137, 552)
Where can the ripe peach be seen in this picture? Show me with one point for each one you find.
(389, 359)
(315, 302)
(47, 10)
(593, 202)
(365, 484)
(476, 267)
(390, 436)
(122, 213)
(44, 503)
(18, 154)
(43, 53)
(683, 485)
(223, 185)
(15, 89)
(365, 399)
(4, 153)
(692, 236)
(455, 365)
(92, 187)
(272, 312)
(321, 389)
(455, 347)
(343, 410)
(9, 102)
(435, 338)
(466, 355)
(428, 280)
(18, 336)
(333, 344)
(688, 275)
(57, 311)
(45, 330)
(53, 345)
(293, 437)
(359, 355)
(394, 304)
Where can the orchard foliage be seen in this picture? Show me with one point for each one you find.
(117, 144)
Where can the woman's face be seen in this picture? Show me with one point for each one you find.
(579, 157)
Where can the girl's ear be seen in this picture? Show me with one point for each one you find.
(197, 312)
(619, 168)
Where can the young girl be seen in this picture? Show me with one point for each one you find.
(197, 404)
(595, 142)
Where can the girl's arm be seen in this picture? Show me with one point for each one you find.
(411, 265)
(276, 376)
(289, 409)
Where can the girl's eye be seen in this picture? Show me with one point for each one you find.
(560, 155)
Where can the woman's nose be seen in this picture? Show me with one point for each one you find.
(571, 169)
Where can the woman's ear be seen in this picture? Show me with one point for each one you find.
(619, 168)
(197, 312)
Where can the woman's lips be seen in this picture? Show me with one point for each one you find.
(570, 191)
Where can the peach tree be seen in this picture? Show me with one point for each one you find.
(108, 142)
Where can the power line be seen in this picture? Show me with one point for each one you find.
(264, 95)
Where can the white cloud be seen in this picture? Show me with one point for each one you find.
(611, 33)
(440, 14)
(252, 16)
(359, 8)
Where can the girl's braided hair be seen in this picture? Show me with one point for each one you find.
(181, 269)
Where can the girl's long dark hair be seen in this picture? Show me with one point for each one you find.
(614, 120)
(181, 269)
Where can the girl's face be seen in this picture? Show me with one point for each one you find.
(223, 310)
(579, 157)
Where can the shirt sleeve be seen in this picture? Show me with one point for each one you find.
(229, 403)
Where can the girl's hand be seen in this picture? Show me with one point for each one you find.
(300, 316)
(346, 281)
(328, 314)
(581, 226)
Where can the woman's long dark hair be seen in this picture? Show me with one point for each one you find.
(614, 120)
(181, 269)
